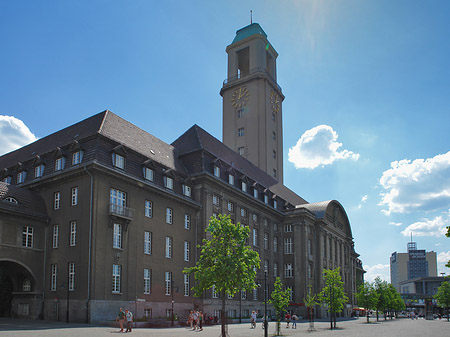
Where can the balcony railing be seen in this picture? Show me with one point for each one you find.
(121, 211)
(252, 72)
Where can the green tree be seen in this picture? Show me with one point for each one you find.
(333, 293)
(225, 262)
(280, 301)
(310, 303)
(367, 297)
(448, 235)
(381, 287)
(443, 296)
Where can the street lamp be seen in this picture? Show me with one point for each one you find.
(173, 301)
(265, 323)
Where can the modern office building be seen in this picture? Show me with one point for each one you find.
(416, 263)
(102, 214)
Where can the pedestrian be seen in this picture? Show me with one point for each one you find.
(253, 319)
(294, 321)
(129, 318)
(200, 321)
(121, 318)
(287, 317)
(195, 319)
(191, 319)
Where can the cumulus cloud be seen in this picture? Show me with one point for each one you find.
(442, 259)
(381, 270)
(428, 227)
(363, 201)
(13, 134)
(318, 147)
(419, 185)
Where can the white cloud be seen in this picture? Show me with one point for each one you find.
(428, 227)
(318, 147)
(442, 259)
(13, 134)
(421, 185)
(363, 201)
(381, 270)
(398, 224)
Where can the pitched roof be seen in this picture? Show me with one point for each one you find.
(197, 138)
(107, 124)
(28, 202)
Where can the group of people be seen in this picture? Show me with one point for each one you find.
(195, 320)
(123, 316)
(288, 319)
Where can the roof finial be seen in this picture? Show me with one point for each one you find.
(251, 16)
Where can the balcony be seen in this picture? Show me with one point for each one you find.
(121, 212)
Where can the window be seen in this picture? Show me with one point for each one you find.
(71, 276)
(55, 236)
(60, 163)
(244, 186)
(148, 174)
(187, 249)
(116, 273)
(275, 204)
(231, 179)
(77, 157)
(215, 293)
(266, 199)
(241, 132)
(117, 236)
(243, 212)
(147, 243)
(274, 135)
(27, 237)
(266, 266)
(186, 287)
(74, 199)
(73, 233)
(167, 282)
(266, 240)
(309, 271)
(291, 293)
(288, 228)
(21, 177)
(148, 209)
(240, 113)
(243, 295)
(255, 294)
(324, 247)
(148, 312)
(215, 200)
(255, 237)
(230, 207)
(273, 117)
(118, 161)
(168, 247)
(309, 248)
(147, 275)
(7, 180)
(275, 244)
(274, 154)
(275, 269)
(56, 200)
(169, 215)
(241, 150)
(118, 201)
(255, 217)
(39, 171)
(288, 246)
(168, 182)
(275, 227)
(274, 173)
(255, 193)
(187, 191)
(187, 221)
(54, 275)
(217, 171)
(288, 272)
(26, 285)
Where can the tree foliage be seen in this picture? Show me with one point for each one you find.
(448, 235)
(280, 301)
(367, 297)
(443, 296)
(225, 262)
(333, 293)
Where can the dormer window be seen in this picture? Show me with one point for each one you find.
(11, 200)
(21, 177)
(217, 171)
(266, 198)
(187, 191)
(274, 203)
(168, 182)
(77, 157)
(231, 179)
(39, 171)
(118, 161)
(7, 179)
(148, 173)
(255, 193)
(60, 163)
(244, 186)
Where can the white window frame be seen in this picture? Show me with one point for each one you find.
(27, 236)
(275, 244)
(117, 236)
(243, 212)
(255, 294)
(275, 204)
(266, 240)
(187, 191)
(74, 196)
(168, 283)
(73, 234)
(147, 280)
(255, 193)
(241, 150)
(288, 228)
(288, 246)
(71, 276)
(116, 278)
(168, 182)
(169, 215)
(230, 207)
(56, 200)
(288, 270)
(215, 293)
(169, 247)
(149, 174)
(241, 132)
(59, 163)
(148, 209)
(231, 179)
(119, 161)
(244, 186)
(77, 157)
(118, 199)
(55, 236)
(147, 243)
(39, 171)
(266, 199)
(216, 200)
(186, 285)
(217, 171)
(275, 269)
(255, 237)
(21, 177)
(187, 251)
(54, 277)
(187, 221)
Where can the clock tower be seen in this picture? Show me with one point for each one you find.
(252, 113)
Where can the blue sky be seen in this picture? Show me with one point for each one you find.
(367, 83)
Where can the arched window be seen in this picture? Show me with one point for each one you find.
(26, 285)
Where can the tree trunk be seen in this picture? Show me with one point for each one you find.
(368, 321)
(224, 316)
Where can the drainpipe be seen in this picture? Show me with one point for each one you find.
(90, 247)
(41, 315)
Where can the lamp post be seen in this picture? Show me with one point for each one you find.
(265, 304)
(172, 288)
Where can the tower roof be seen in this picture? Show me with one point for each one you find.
(253, 29)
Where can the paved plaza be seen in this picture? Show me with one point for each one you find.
(350, 328)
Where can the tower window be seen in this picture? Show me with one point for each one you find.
(241, 132)
(274, 135)
(241, 150)
(274, 154)
(240, 113)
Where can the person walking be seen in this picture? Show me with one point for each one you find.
(200, 321)
(121, 318)
(287, 317)
(253, 319)
(294, 321)
(129, 318)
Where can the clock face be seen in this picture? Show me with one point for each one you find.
(275, 101)
(240, 97)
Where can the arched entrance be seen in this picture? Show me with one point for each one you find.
(18, 294)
